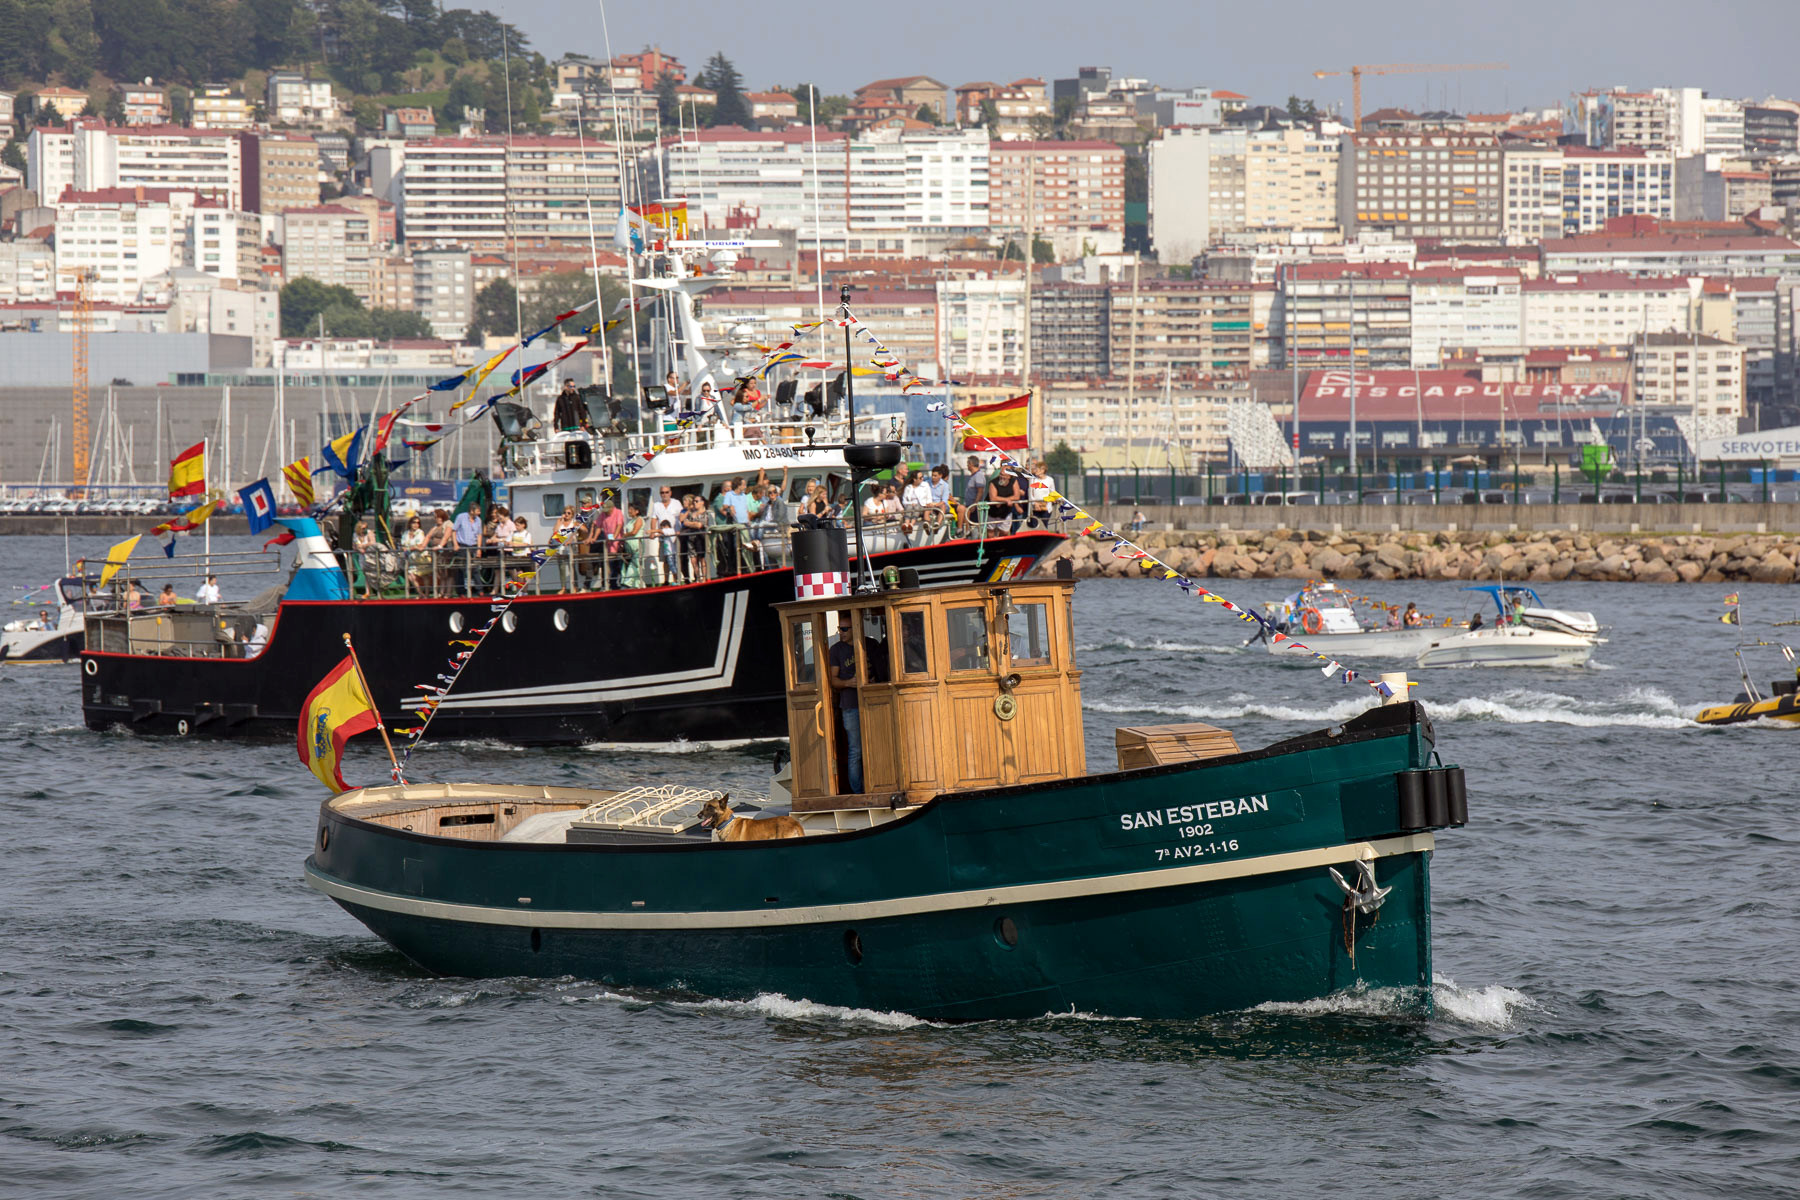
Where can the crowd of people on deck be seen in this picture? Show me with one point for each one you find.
(680, 535)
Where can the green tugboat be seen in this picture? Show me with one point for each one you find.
(979, 871)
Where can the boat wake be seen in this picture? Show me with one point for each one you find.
(778, 1007)
(677, 746)
(1162, 645)
(1644, 708)
(1493, 1007)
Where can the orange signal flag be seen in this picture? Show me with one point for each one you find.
(335, 711)
(187, 471)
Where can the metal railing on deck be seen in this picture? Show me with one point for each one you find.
(603, 563)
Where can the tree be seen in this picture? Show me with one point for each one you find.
(668, 101)
(990, 115)
(1063, 459)
(114, 110)
(720, 77)
(495, 310)
(13, 156)
(390, 324)
(466, 92)
(303, 299)
(1302, 110)
(1041, 250)
(1137, 179)
(927, 114)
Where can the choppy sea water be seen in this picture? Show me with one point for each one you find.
(1617, 1012)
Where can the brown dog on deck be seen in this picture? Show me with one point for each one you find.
(727, 826)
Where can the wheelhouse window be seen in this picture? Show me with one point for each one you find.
(968, 638)
(915, 659)
(805, 659)
(1028, 636)
(553, 504)
(877, 655)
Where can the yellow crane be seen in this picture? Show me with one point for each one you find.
(83, 320)
(1356, 77)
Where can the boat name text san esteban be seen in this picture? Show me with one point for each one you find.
(1178, 816)
(1214, 818)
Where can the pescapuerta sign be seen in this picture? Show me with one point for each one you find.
(1766, 446)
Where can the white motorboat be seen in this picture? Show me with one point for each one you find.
(1526, 633)
(1321, 616)
(47, 636)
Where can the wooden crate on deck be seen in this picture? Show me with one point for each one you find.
(1158, 745)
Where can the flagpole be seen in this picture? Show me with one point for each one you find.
(356, 664)
(205, 473)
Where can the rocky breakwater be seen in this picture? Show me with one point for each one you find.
(1531, 557)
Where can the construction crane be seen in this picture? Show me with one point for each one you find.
(83, 320)
(1356, 77)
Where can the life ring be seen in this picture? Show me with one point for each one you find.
(1311, 621)
(1005, 707)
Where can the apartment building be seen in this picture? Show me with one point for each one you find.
(7, 118)
(1172, 420)
(120, 239)
(453, 192)
(1560, 191)
(336, 245)
(1427, 184)
(1290, 179)
(207, 161)
(285, 173)
(919, 179)
(145, 103)
(1071, 330)
(1711, 187)
(1690, 370)
(1772, 127)
(294, 99)
(980, 327)
(225, 242)
(1637, 246)
(1197, 184)
(1640, 120)
(1602, 308)
(1164, 325)
(1747, 312)
(1457, 309)
(443, 291)
(775, 176)
(27, 272)
(561, 188)
(1019, 108)
(1074, 190)
(220, 107)
(1333, 314)
(50, 162)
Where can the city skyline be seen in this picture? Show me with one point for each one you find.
(1551, 49)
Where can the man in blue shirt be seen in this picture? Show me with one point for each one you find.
(841, 659)
(467, 528)
(733, 507)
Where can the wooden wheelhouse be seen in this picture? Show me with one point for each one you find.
(958, 687)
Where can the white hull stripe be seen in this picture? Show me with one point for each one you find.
(872, 910)
(630, 687)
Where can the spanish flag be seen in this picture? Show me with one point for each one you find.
(335, 711)
(187, 472)
(1002, 424)
(299, 480)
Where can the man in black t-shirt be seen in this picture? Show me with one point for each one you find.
(841, 659)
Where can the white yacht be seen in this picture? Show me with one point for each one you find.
(1526, 633)
(1321, 616)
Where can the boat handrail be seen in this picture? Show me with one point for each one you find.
(645, 807)
(647, 560)
(611, 451)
